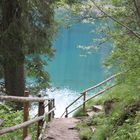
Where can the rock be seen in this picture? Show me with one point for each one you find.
(108, 106)
(93, 129)
(97, 108)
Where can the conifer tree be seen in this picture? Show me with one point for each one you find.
(27, 30)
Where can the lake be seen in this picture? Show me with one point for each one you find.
(74, 67)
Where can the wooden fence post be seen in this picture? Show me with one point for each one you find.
(66, 116)
(41, 111)
(26, 114)
(53, 105)
(49, 108)
(84, 104)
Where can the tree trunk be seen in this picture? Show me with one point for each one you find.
(14, 82)
(14, 79)
(11, 48)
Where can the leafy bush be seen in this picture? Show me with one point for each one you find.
(12, 118)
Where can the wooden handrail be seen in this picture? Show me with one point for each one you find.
(41, 113)
(71, 104)
(74, 101)
(97, 94)
(99, 84)
(22, 99)
(84, 94)
(63, 114)
(22, 125)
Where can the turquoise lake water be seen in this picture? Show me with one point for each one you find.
(76, 68)
(73, 69)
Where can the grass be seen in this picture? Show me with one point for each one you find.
(122, 122)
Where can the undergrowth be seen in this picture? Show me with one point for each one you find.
(121, 122)
(11, 118)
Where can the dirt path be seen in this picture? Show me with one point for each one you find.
(62, 129)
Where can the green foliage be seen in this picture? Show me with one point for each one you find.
(79, 113)
(123, 33)
(39, 37)
(126, 49)
(35, 71)
(12, 118)
(85, 133)
(129, 130)
(11, 115)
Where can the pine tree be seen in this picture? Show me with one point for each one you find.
(26, 32)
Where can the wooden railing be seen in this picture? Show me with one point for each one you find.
(84, 93)
(40, 117)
